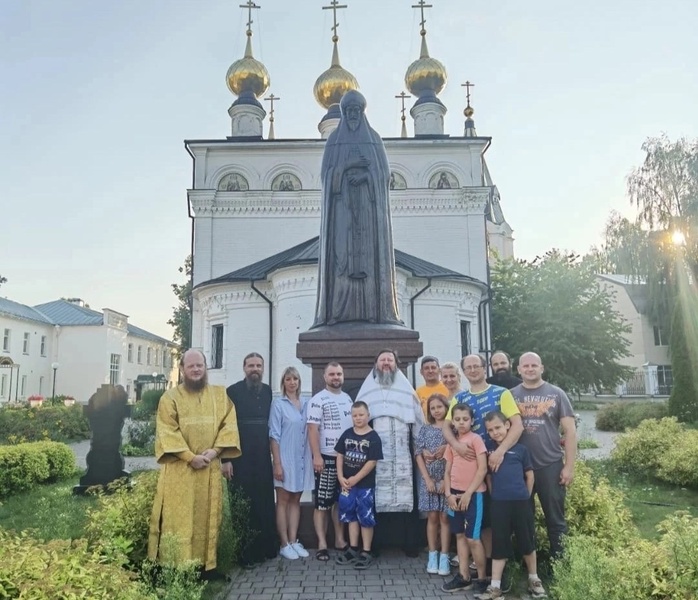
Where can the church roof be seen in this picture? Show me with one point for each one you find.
(22, 311)
(308, 253)
(636, 289)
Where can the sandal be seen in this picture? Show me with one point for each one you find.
(322, 555)
(343, 548)
(364, 560)
(348, 557)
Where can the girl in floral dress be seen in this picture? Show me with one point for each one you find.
(429, 452)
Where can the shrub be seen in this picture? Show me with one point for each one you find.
(679, 543)
(57, 423)
(23, 466)
(120, 521)
(62, 570)
(621, 416)
(592, 508)
(666, 450)
(141, 438)
(148, 406)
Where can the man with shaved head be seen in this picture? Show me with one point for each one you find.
(545, 409)
(196, 426)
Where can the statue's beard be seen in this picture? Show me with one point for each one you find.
(386, 378)
(353, 124)
(196, 385)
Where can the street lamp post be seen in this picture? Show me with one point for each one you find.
(54, 366)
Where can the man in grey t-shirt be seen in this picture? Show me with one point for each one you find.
(545, 409)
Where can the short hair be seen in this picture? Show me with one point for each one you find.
(500, 352)
(495, 414)
(441, 398)
(252, 355)
(332, 363)
(360, 404)
(290, 371)
(483, 360)
(451, 365)
(388, 350)
(462, 406)
(428, 359)
(181, 360)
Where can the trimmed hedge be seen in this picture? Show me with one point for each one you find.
(57, 423)
(621, 416)
(62, 570)
(24, 466)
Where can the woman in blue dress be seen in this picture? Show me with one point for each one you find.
(292, 464)
(429, 448)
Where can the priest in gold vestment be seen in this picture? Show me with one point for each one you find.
(196, 426)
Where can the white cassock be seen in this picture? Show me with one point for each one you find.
(396, 414)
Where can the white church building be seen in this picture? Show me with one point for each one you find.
(255, 211)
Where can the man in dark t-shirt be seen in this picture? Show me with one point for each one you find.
(502, 376)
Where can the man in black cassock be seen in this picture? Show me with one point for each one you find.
(502, 376)
(357, 265)
(252, 472)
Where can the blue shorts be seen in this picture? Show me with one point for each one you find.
(470, 520)
(357, 504)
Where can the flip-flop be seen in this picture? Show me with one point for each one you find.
(322, 555)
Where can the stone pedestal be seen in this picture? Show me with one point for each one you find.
(355, 346)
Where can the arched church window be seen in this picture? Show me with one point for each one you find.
(286, 182)
(443, 180)
(397, 181)
(233, 182)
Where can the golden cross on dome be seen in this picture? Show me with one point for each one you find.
(403, 97)
(249, 5)
(467, 85)
(421, 6)
(271, 99)
(334, 6)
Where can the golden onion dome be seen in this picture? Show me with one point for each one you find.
(248, 74)
(334, 83)
(425, 74)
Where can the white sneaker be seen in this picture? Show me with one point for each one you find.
(289, 553)
(299, 549)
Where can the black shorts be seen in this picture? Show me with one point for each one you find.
(512, 517)
(326, 490)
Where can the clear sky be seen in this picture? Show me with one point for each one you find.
(96, 99)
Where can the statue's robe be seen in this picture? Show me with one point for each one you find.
(356, 263)
(188, 504)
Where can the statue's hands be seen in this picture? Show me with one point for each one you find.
(356, 179)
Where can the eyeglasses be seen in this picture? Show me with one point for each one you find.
(473, 368)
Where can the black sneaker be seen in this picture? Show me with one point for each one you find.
(457, 584)
(479, 586)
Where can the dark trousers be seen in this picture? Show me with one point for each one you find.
(551, 496)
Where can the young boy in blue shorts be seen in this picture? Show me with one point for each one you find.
(511, 510)
(358, 449)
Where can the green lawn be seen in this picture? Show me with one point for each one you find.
(650, 501)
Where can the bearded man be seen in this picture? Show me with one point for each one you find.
(195, 427)
(397, 416)
(252, 473)
(502, 376)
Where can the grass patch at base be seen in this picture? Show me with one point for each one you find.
(50, 510)
(649, 500)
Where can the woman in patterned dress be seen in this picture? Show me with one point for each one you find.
(429, 449)
(292, 467)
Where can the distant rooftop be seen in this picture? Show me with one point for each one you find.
(66, 314)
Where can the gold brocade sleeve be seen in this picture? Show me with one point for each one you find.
(169, 441)
(228, 438)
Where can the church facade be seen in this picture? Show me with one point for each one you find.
(255, 211)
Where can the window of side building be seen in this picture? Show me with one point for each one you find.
(217, 347)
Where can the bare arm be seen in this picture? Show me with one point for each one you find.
(314, 441)
(344, 483)
(530, 479)
(569, 430)
(476, 482)
(369, 465)
(458, 447)
(515, 430)
(276, 460)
